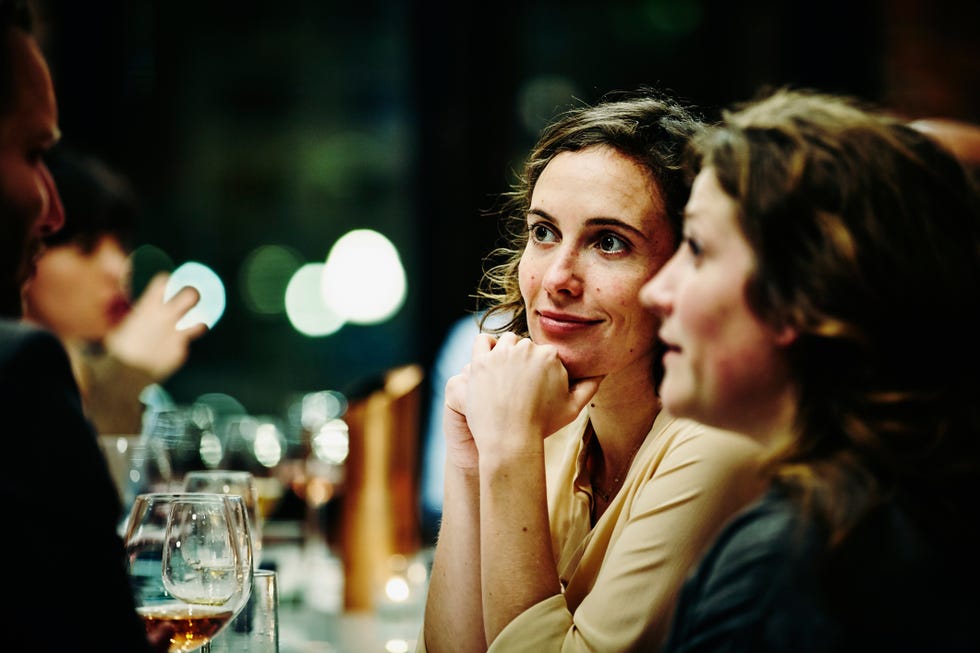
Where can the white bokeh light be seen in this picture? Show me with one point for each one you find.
(363, 278)
(211, 305)
(304, 303)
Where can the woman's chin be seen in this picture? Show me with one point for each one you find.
(581, 369)
(674, 403)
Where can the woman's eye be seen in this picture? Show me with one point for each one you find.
(693, 245)
(611, 243)
(542, 233)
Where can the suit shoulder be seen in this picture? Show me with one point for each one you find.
(25, 348)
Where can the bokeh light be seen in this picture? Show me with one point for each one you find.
(270, 443)
(305, 307)
(319, 407)
(363, 278)
(332, 442)
(264, 276)
(396, 645)
(147, 260)
(222, 405)
(211, 305)
(397, 590)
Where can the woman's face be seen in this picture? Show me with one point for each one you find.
(597, 232)
(724, 366)
(79, 294)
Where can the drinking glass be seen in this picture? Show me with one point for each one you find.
(232, 482)
(184, 433)
(256, 629)
(189, 561)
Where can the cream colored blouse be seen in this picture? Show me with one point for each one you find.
(620, 580)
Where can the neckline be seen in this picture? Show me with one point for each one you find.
(619, 478)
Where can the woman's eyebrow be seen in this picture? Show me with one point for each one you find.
(615, 222)
(594, 222)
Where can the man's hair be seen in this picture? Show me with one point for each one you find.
(14, 14)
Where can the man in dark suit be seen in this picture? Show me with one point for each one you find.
(60, 507)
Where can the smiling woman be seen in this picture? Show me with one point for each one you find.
(566, 487)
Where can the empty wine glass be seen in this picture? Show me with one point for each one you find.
(200, 552)
(233, 482)
(189, 561)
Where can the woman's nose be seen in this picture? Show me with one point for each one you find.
(564, 273)
(656, 293)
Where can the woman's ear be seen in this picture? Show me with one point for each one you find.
(785, 335)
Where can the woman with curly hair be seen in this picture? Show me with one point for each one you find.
(573, 505)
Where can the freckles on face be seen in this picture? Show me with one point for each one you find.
(597, 232)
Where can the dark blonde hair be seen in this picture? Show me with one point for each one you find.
(644, 125)
(866, 240)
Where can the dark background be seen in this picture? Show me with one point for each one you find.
(291, 122)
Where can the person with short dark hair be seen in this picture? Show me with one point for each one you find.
(81, 291)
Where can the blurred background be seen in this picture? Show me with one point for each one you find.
(258, 135)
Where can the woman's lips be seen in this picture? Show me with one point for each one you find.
(563, 324)
(669, 350)
(118, 309)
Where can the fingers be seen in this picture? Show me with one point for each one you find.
(582, 390)
(194, 331)
(153, 293)
(455, 393)
(483, 343)
(185, 299)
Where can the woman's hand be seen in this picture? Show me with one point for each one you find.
(460, 446)
(517, 393)
(148, 338)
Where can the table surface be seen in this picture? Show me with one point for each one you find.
(311, 614)
(306, 630)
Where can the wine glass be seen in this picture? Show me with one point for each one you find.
(189, 562)
(232, 482)
(183, 432)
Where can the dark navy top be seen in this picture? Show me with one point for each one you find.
(769, 584)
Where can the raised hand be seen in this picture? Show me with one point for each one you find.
(460, 446)
(518, 391)
(148, 338)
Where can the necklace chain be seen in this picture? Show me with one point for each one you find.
(614, 488)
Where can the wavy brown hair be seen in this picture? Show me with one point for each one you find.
(866, 239)
(644, 125)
